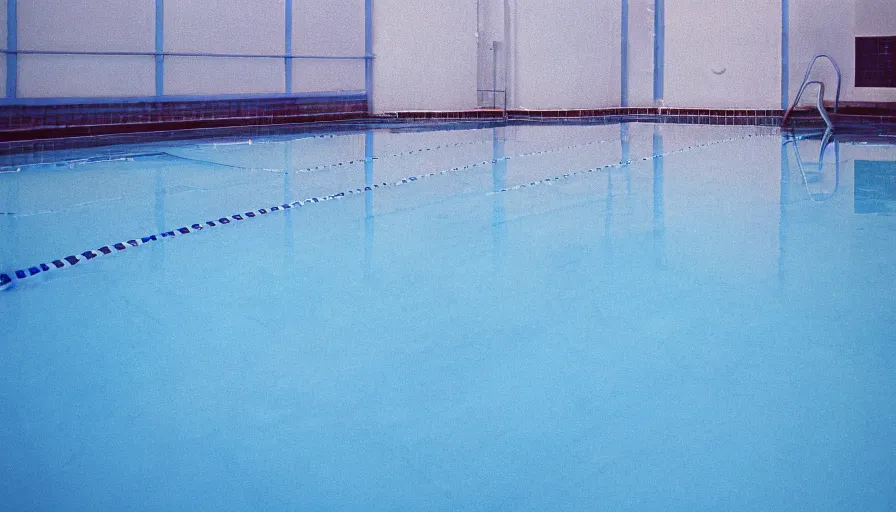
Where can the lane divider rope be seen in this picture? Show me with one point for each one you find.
(122, 156)
(132, 156)
(7, 280)
(568, 175)
(321, 167)
(116, 157)
(324, 167)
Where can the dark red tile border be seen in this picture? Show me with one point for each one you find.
(22, 122)
(616, 114)
(178, 123)
(660, 114)
(23, 129)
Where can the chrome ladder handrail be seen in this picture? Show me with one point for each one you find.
(820, 100)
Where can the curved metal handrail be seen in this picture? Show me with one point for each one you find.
(836, 69)
(820, 102)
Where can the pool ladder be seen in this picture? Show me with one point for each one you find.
(819, 102)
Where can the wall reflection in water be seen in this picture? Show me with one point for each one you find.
(829, 182)
(499, 181)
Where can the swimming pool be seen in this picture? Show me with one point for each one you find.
(522, 317)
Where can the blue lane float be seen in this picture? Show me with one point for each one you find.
(8, 279)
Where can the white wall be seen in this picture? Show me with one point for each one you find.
(54, 76)
(562, 54)
(568, 54)
(875, 18)
(723, 54)
(207, 26)
(328, 75)
(3, 32)
(217, 75)
(321, 27)
(425, 55)
(492, 52)
(640, 53)
(85, 25)
(328, 27)
(2, 45)
(830, 26)
(744, 38)
(811, 33)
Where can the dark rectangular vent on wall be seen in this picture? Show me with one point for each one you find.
(876, 61)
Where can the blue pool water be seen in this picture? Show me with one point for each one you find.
(531, 324)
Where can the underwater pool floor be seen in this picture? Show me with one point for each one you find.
(571, 317)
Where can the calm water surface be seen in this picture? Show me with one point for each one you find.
(708, 327)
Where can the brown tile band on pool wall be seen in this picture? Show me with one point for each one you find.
(25, 122)
(665, 115)
(616, 114)
(864, 113)
(26, 129)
